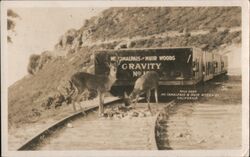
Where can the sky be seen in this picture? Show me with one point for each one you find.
(39, 29)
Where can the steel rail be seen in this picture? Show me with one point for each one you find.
(31, 143)
(173, 102)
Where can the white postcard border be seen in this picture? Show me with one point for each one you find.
(245, 77)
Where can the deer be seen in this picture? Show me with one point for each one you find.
(82, 81)
(144, 85)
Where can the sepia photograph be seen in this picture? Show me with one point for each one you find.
(113, 78)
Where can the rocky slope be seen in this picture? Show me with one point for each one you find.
(130, 22)
(208, 28)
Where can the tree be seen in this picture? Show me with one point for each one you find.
(11, 22)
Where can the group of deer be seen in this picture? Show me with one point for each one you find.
(82, 81)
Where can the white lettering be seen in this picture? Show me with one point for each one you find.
(138, 66)
(141, 66)
(137, 73)
(158, 65)
(124, 66)
(131, 66)
(144, 66)
(150, 58)
(167, 58)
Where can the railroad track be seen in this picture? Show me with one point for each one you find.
(130, 130)
(31, 143)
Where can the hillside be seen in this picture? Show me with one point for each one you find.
(130, 22)
(208, 28)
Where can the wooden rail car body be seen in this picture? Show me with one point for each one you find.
(176, 66)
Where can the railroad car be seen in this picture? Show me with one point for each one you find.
(217, 64)
(181, 66)
(224, 64)
(208, 64)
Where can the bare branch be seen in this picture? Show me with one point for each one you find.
(11, 13)
(10, 24)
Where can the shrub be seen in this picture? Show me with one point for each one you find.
(213, 30)
(33, 63)
(36, 62)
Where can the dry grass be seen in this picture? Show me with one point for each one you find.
(128, 22)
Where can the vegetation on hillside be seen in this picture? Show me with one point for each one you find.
(128, 22)
(36, 62)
